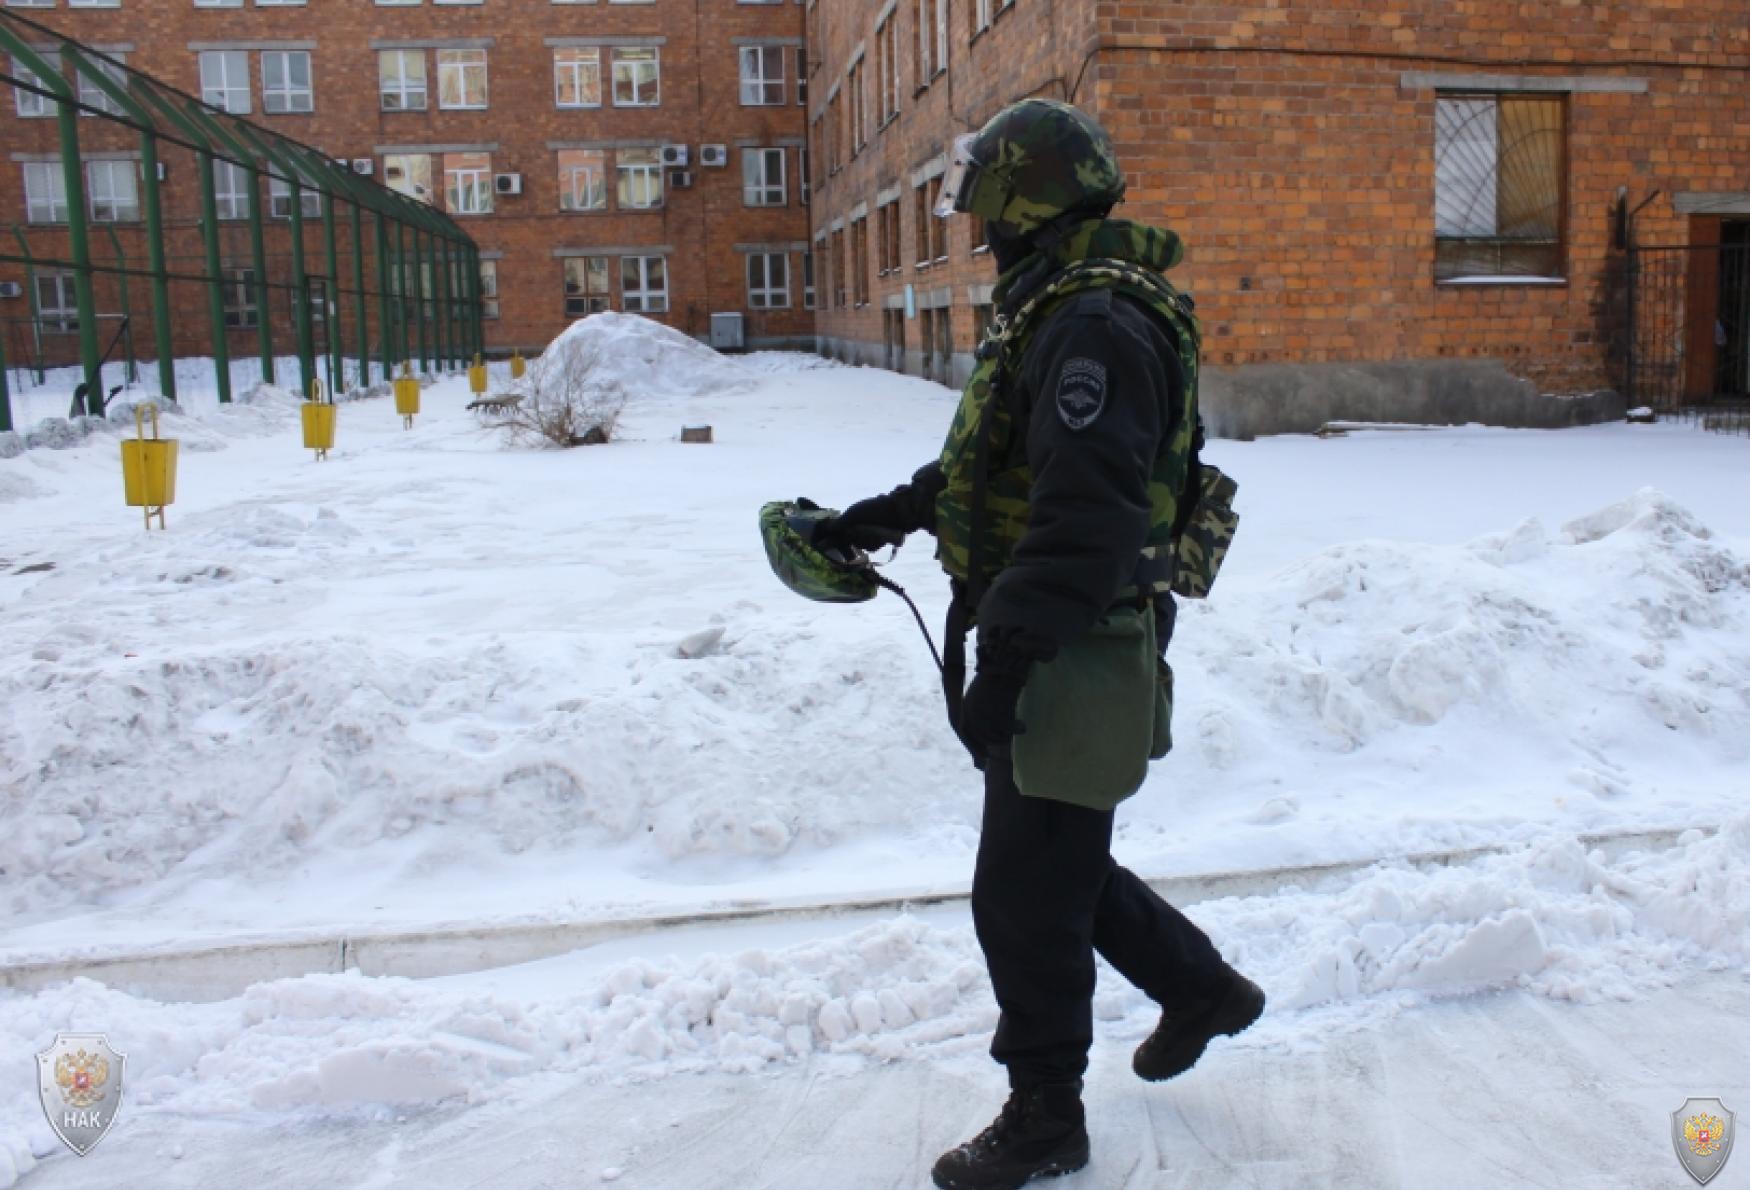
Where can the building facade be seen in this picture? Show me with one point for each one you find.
(1418, 212)
(639, 155)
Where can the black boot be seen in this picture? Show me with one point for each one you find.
(1040, 1133)
(1185, 1029)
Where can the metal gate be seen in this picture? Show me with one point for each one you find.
(1689, 332)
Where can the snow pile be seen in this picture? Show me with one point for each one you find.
(1620, 650)
(1632, 627)
(634, 355)
(1553, 919)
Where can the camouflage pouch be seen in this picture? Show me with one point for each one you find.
(1202, 547)
(1092, 714)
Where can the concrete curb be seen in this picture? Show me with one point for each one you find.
(224, 969)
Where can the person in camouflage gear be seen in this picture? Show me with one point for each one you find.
(1056, 501)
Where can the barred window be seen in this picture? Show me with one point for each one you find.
(1498, 187)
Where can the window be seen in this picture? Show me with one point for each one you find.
(225, 80)
(401, 80)
(808, 280)
(461, 79)
(839, 271)
(468, 183)
(637, 76)
(932, 231)
(857, 106)
(231, 190)
(1498, 187)
(409, 174)
(489, 289)
(239, 287)
(801, 77)
(802, 175)
(931, 19)
(860, 261)
(94, 96)
(887, 238)
(279, 199)
(980, 11)
(762, 75)
(644, 284)
(893, 338)
(112, 188)
(921, 216)
(768, 281)
(887, 68)
(834, 135)
(762, 177)
(31, 105)
(57, 303)
(285, 82)
(583, 180)
(640, 179)
(577, 77)
(586, 285)
(45, 192)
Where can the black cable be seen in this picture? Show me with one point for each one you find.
(881, 580)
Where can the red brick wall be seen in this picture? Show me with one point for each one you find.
(1282, 143)
(699, 104)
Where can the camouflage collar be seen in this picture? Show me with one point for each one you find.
(1155, 248)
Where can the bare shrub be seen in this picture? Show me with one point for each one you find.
(563, 400)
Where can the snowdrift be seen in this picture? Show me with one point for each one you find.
(641, 357)
(1610, 659)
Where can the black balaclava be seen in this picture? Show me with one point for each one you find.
(1009, 251)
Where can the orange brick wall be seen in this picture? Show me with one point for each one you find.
(1285, 144)
(699, 104)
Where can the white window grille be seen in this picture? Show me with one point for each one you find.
(401, 84)
(768, 281)
(462, 79)
(640, 173)
(587, 282)
(762, 177)
(112, 190)
(644, 284)
(285, 82)
(637, 76)
(762, 75)
(45, 192)
(583, 180)
(577, 77)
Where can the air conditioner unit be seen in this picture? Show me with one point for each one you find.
(674, 156)
(507, 183)
(364, 165)
(716, 156)
(11, 289)
(680, 179)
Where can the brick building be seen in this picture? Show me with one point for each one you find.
(641, 155)
(1414, 212)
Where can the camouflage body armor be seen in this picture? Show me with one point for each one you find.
(985, 448)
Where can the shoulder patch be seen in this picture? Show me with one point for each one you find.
(1081, 392)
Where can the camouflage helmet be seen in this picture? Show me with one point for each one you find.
(826, 576)
(1034, 161)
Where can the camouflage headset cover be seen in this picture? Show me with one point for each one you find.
(1035, 160)
(829, 576)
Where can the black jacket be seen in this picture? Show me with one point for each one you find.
(1100, 386)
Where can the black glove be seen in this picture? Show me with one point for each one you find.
(868, 525)
(987, 712)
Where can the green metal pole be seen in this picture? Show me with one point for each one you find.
(441, 275)
(132, 371)
(331, 312)
(73, 176)
(301, 293)
(258, 257)
(419, 296)
(403, 341)
(215, 279)
(364, 308)
(36, 310)
(474, 307)
(155, 257)
(385, 332)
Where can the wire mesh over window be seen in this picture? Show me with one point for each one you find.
(1497, 187)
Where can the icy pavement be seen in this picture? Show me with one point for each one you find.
(1501, 1090)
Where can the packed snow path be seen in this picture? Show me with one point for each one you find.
(1502, 1090)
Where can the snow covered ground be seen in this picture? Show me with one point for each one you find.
(434, 681)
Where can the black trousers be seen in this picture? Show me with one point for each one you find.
(1046, 894)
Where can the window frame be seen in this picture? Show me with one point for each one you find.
(51, 176)
(566, 178)
(646, 55)
(399, 85)
(287, 93)
(578, 69)
(647, 294)
(1557, 245)
(758, 193)
(586, 301)
(761, 296)
(463, 71)
(121, 209)
(759, 79)
(628, 172)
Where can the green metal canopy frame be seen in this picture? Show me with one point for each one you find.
(163, 114)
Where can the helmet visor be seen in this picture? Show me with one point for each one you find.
(962, 176)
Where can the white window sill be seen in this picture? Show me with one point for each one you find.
(1503, 280)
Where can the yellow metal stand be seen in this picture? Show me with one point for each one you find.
(518, 365)
(319, 416)
(149, 468)
(407, 394)
(477, 377)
